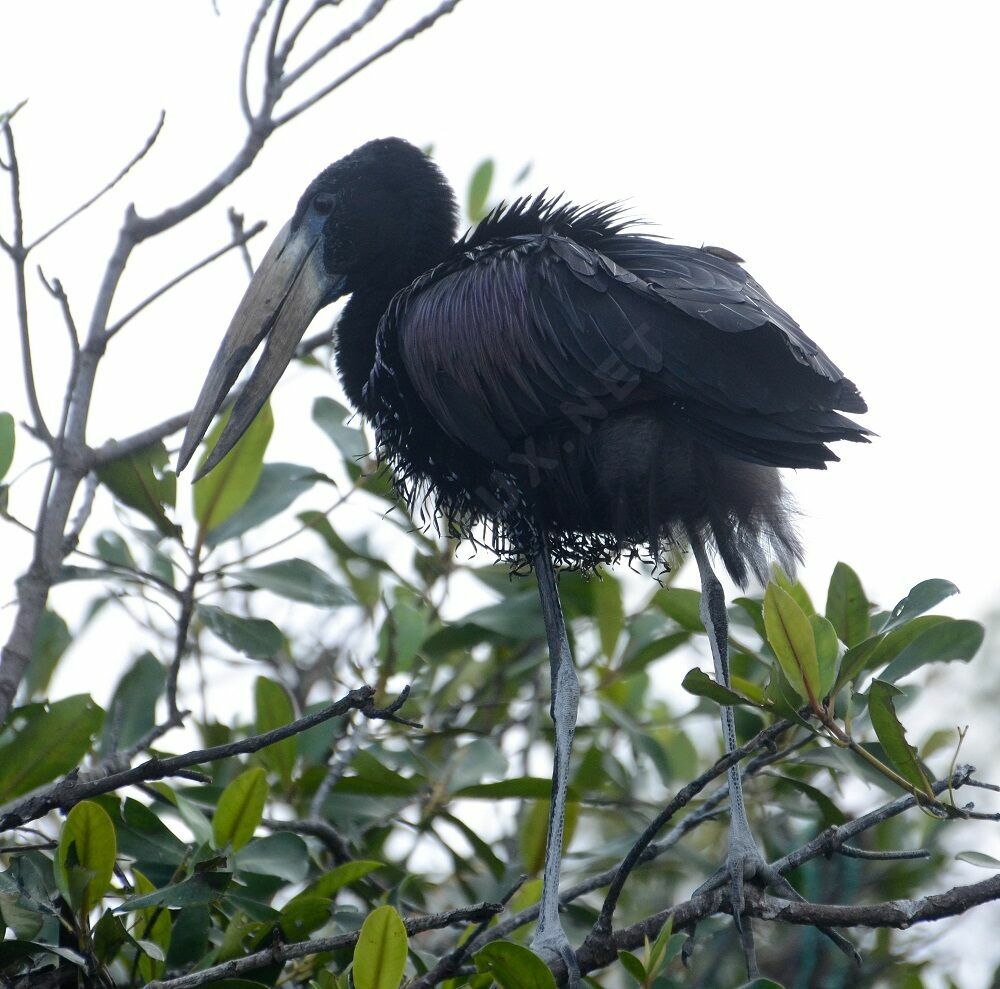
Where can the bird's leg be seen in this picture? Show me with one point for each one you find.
(550, 938)
(744, 860)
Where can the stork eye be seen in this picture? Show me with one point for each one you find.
(323, 203)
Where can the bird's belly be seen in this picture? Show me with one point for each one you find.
(639, 477)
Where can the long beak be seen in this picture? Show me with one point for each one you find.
(286, 291)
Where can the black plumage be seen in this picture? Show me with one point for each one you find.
(558, 387)
(557, 370)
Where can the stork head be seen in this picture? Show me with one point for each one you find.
(370, 222)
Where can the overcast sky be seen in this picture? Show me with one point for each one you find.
(847, 151)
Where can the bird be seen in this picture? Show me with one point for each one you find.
(561, 387)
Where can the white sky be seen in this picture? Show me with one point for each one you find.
(845, 150)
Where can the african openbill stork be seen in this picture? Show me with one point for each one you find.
(565, 390)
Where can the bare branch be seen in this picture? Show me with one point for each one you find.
(258, 19)
(237, 241)
(18, 252)
(369, 14)
(411, 32)
(286, 952)
(273, 67)
(143, 151)
(236, 221)
(56, 290)
(115, 449)
(180, 638)
(71, 790)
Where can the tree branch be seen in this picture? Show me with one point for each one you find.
(411, 32)
(70, 791)
(142, 152)
(287, 952)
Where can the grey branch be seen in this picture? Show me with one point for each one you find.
(287, 952)
(71, 790)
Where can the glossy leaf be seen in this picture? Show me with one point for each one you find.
(380, 954)
(827, 653)
(921, 598)
(791, 637)
(201, 889)
(52, 639)
(533, 833)
(152, 931)
(700, 684)
(344, 875)
(298, 580)
(530, 787)
(682, 605)
(609, 612)
(7, 442)
(479, 190)
(633, 966)
(940, 642)
(847, 606)
(794, 589)
(57, 736)
(892, 735)
(85, 858)
(240, 809)
(333, 418)
(282, 854)
(132, 711)
(221, 493)
(514, 967)
(141, 481)
(254, 637)
(278, 487)
(274, 709)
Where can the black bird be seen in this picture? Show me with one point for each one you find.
(564, 389)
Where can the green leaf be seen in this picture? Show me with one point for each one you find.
(658, 951)
(152, 931)
(58, 736)
(336, 879)
(921, 598)
(132, 711)
(298, 580)
(762, 984)
(201, 889)
(240, 809)
(274, 709)
(85, 857)
(518, 618)
(534, 829)
(254, 637)
(110, 937)
(220, 494)
(331, 417)
(7, 441)
(514, 967)
(700, 684)
(633, 966)
(609, 612)
(380, 954)
(279, 486)
(980, 859)
(794, 589)
(282, 854)
(52, 639)
(529, 787)
(682, 605)
(479, 190)
(827, 653)
(847, 606)
(791, 637)
(939, 643)
(17, 913)
(141, 481)
(303, 915)
(892, 735)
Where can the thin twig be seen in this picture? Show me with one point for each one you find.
(70, 791)
(365, 18)
(238, 241)
(140, 154)
(279, 953)
(115, 449)
(254, 30)
(236, 221)
(411, 32)
(18, 253)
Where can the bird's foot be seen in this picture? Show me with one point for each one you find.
(554, 945)
(745, 864)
